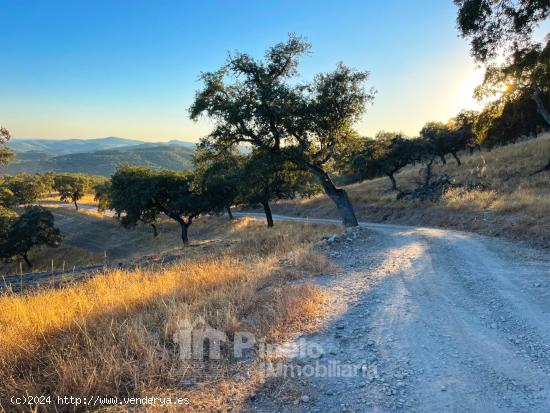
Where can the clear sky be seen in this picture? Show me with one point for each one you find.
(85, 69)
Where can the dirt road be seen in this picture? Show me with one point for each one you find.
(436, 320)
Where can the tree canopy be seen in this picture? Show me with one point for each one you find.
(139, 194)
(388, 153)
(34, 227)
(494, 26)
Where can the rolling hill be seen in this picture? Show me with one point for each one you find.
(67, 146)
(104, 162)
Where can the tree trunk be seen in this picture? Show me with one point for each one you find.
(457, 159)
(429, 172)
(268, 215)
(155, 232)
(393, 182)
(543, 112)
(541, 109)
(184, 237)
(228, 209)
(339, 197)
(75, 205)
(184, 227)
(26, 258)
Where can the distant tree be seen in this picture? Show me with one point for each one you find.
(258, 102)
(427, 156)
(218, 175)
(25, 188)
(6, 154)
(387, 154)
(141, 195)
(266, 177)
(71, 187)
(463, 132)
(34, 227)
(437, 133)
(45, 181)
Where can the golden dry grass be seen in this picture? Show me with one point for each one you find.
(113, 334)
(512, 203)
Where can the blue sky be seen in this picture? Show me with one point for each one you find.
(84, 69)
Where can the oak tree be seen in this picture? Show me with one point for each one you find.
(259, 102)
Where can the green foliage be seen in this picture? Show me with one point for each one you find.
(72, 187)
(267, 177)
(388, 153)
(34, 227)
(218, 176)
(7, 216)
(25, 188)
(139, 194)
(496, 25)
(102, 194)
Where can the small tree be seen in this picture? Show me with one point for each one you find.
(25, 188)
(387, 155)
(71, 187)
(141, 195)
(34, 227)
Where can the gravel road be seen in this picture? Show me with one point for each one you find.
(434, 320)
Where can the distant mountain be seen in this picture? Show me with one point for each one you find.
(67, 146)
(104, 162)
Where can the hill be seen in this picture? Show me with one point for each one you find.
(105, 162)
(67, 146)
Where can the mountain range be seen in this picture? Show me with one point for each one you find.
(97, 156)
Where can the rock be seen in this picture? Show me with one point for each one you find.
(443, 388)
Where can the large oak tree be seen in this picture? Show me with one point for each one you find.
(260, 102)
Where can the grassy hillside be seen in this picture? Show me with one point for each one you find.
(104, 162)
(113, 334)
(500, 198)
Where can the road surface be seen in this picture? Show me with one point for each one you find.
(435, 321)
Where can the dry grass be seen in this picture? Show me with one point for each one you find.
(113, 334)
(512, 203)
(54, 197)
